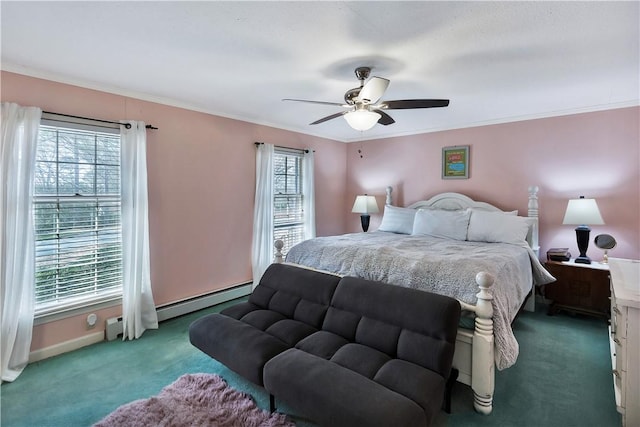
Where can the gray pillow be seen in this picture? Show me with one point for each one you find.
(397, 220)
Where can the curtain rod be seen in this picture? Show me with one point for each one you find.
(304, 150)
(126, 125)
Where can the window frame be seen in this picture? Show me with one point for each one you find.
(296, 226)
(44, 313)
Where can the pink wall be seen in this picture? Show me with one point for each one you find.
(202, 172)
(593, 154)
(201, 179)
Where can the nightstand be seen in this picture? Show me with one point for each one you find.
(581, 288)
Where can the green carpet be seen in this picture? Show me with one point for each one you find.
(562, 378)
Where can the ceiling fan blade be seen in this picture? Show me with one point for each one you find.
(405, 104)
(337, 104)
(373, 90)
(385, 119)
(333, 116)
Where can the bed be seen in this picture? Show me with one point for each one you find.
(483, 256)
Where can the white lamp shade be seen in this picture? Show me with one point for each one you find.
(362, 119)
(582, 212)
(365, 205)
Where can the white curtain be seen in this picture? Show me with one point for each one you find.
(308, 196)
(262, 247)
(17, 254)
(138, 308)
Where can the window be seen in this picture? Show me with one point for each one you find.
(288, 216)
(77, 218)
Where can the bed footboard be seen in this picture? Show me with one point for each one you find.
(482, 362)
(474, 356)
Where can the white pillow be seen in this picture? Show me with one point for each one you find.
(496, 227)
(442, 223)
(397, 220)
(503, 212)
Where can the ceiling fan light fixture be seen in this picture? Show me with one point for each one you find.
(366, 105)
(362, 119)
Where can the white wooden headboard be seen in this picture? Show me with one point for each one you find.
(454, 201)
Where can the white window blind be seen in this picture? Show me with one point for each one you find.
(77, 218)
(288, 221)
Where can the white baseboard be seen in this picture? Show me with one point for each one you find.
(114, 325)
(179, 308)
(169, 311)
(66, 346)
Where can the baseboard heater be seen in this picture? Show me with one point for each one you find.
(176, 309)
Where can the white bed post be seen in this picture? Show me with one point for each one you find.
(532, 212)
(277, 258)
(388, 201)
(483, 361)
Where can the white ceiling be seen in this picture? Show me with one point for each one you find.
(496, 61)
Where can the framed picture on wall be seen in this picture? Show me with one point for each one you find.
(455, 162)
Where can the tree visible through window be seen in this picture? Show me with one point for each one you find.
(288, 218)
(77, 218)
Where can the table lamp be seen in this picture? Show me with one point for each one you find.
(582, 212)
(365, 205)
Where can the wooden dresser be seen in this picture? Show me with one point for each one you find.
(625, 337)
(582, 288)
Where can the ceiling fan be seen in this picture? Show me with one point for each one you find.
(363, 104)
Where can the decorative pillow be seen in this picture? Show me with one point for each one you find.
(442, 223)
(504, 212)
(397, 220)
(496, 227)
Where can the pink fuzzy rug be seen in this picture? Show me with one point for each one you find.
(195, 400)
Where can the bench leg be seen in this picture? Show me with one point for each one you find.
(272, 403)
(448, 390)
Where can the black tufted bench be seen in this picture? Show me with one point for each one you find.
(289, 304)
(342, 352)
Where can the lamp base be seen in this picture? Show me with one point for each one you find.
(582, 238)
(364, 220)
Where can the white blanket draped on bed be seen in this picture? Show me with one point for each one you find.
(438, 265)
